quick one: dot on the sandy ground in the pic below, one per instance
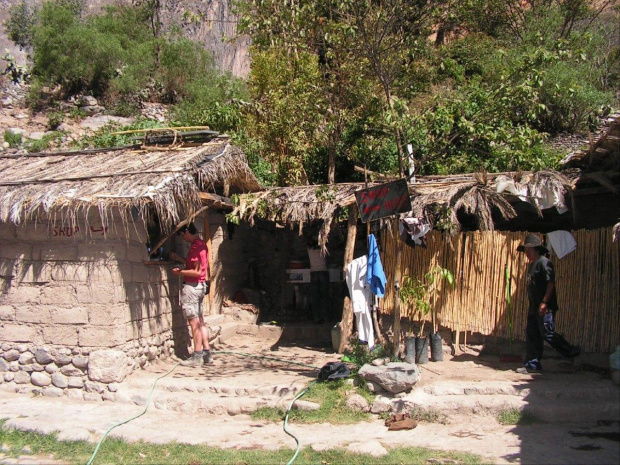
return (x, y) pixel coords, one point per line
(469, 428)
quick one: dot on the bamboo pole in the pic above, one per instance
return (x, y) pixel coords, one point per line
(397, 278)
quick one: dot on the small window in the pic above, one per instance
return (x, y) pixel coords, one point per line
(155, 236)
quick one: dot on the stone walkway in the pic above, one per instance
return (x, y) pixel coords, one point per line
(576, 408)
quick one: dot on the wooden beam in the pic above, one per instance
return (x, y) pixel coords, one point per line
(380, 176)
(397, 278)
(217, 201)
(176, 229)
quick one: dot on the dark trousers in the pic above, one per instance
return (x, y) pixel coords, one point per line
(540, 329)
(319, 286)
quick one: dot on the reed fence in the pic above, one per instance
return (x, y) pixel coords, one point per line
(587, 280)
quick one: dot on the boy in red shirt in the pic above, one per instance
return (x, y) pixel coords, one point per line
(195, 287)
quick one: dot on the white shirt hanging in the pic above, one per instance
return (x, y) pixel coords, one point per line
(361, 298)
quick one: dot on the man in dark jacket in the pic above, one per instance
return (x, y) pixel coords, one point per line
(541, 293)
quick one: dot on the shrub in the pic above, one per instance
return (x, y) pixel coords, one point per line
(106, 137)
(116, 56)
(77, 114)
(16, 72)
(54, 119)
(13, 138)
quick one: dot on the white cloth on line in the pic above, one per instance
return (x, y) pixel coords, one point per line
(361, 298)
(562, 242)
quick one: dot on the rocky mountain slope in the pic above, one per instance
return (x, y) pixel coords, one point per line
(207, 21)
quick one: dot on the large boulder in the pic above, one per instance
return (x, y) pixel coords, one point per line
(394, 377)
(108, 366)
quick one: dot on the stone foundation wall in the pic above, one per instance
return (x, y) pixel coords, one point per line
(79, 373)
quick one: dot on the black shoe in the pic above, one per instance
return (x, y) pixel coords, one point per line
(207, 357)
(196, 360)
(531, 366)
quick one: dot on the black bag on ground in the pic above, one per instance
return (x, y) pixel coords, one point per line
(333, 371)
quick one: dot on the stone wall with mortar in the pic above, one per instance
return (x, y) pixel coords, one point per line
(70, 294)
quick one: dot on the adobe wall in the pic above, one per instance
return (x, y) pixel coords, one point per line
(68, 292)
(81, 308)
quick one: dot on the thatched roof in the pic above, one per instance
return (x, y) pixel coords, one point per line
(168, 181)
(475, 194)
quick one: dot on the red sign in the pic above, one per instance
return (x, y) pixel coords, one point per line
(384, 200)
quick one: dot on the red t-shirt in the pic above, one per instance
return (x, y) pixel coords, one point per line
(197, 253)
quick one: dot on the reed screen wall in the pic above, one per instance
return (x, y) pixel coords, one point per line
(587, 280)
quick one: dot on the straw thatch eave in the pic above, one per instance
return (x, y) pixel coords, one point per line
(474, 194)
(69, 185)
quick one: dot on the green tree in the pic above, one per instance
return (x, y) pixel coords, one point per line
(119, 55)
(285, 110)
(353, 77)
(18, 27)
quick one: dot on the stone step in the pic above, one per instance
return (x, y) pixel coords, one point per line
(548, 391)
(226, 386)
(540, 409)
(551, 402)
(209, 401)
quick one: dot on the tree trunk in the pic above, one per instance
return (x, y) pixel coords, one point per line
(346, 322)
(331, 165)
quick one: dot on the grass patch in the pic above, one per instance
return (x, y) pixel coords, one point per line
(46, 142)
(515, 416)
(114, 451)
(14, 139)
(331, 396)
(429, 416)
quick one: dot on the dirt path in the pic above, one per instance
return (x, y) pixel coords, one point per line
(470, 427)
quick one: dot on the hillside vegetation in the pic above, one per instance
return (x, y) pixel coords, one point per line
(430, 87)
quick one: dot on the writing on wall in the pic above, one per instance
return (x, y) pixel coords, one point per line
(70, 231)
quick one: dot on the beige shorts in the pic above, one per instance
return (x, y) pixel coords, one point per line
(192, 295)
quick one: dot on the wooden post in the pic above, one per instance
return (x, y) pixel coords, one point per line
(397, 278)
(346, 322)
(210, 274)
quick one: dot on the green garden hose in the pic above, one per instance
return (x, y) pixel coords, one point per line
(286, 422)
(148, 401)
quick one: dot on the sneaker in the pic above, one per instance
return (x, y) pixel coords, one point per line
(196, 360)
(533, 365)
(207, 357)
